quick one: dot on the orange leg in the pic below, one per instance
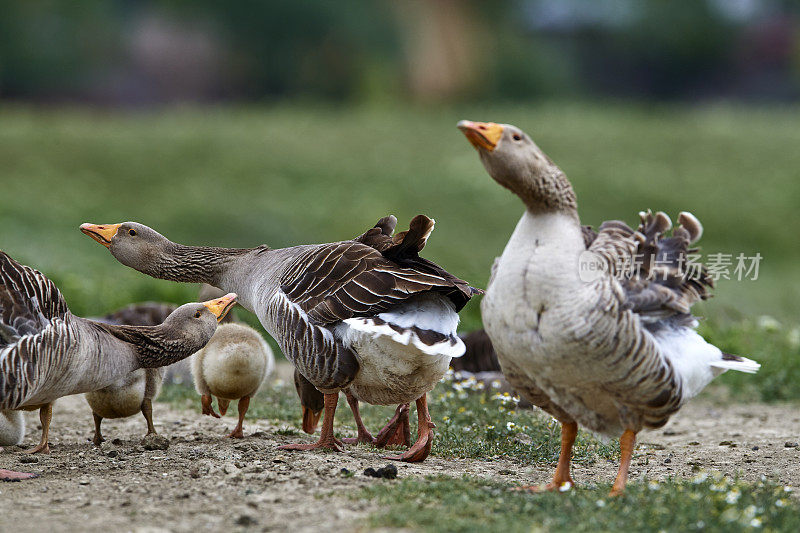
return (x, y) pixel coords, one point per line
(237, 432)
(422, 448)
(568, 433)
(45, 416)
(626, 444)
(207, 408)
(364, 436)
(326, 437)
(397, 431)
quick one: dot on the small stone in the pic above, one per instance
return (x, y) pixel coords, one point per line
(694, 443)
(25, 459)
(505, 472)
(667, 460)
(246, 520)
(83, 482)
(116, 442)
(754, 448)
(728, 443)
(155, 442)
(194, 472)
(112, 454)
(790, 444)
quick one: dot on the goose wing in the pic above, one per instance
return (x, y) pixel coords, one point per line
(655, 280)
(32, 327)
(654, 269)
(363, 277)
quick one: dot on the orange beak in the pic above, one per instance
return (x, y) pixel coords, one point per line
(310, 420)
(221, 306)
(101, 233)
(484, 135)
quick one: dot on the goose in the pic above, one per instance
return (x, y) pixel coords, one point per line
(367, 316)
(593, 327)
(232, 366)
(136, 391)
(46, 352)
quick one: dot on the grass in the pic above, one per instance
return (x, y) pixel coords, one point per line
(471, 422)
(709, 502)
(290, 174)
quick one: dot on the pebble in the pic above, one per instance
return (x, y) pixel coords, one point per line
(28, 459)
(790, 444)
(246, 520)
(112, 454)
(155, 442)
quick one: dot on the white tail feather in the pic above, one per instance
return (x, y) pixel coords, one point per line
(745, 365)
(408, 337)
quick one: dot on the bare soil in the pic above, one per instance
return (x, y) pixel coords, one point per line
(205, 481)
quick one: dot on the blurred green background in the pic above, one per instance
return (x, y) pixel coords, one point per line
(241, 123)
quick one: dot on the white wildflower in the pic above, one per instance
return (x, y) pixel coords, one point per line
(768, 323)
(700, 478)
(496, 383)
(510, 426)
(733, 496)
(565, 486)
(600, 503)
(755, 522)
(653, 485)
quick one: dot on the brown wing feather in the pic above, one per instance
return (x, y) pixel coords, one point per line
(657, 280)
(343, 280)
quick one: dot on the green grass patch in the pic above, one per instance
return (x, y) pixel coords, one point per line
(470, 422)
(764, 339)
(440, 504)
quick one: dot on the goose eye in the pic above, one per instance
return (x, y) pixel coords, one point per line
(197, 314)
(517, 137)
(132, 232)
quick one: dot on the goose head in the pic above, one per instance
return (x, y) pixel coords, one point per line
(514, 161)
(132, 244)
(311, 401)
(186, 330)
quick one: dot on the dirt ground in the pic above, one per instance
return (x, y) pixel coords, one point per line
(209, 482)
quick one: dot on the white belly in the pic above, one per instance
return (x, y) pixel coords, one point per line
(399, 361)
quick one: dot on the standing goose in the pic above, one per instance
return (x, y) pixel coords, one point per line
(368, 316)
(46, 352)
(614, 348)
(136, 391)
(232, 366)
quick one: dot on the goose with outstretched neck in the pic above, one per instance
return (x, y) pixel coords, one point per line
(46, 352)
(366, 316)
(593, 327)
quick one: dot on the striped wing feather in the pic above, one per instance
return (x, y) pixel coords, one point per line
(657, 278)
(349, 279)
(32, 326)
